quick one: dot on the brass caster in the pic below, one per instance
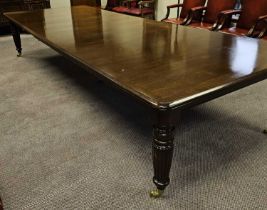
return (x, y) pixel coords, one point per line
(19, 54)
(265, 131)
(156, 193)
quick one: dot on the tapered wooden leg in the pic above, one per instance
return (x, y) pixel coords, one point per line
(162, 151)
(16, 37)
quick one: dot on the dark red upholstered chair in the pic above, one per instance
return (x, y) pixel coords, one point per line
(111, 4)
(124, 6)
(210, 13)
(250, 22)
(186, 6)
(137, 8)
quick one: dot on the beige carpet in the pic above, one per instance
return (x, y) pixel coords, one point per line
(68, 141)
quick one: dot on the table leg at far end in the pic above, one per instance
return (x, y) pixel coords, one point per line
(1, 204)
(15, 30)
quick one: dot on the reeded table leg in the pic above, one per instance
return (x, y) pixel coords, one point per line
(162, 151)
(16, 37)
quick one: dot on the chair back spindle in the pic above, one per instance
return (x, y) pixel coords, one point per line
(214, 7)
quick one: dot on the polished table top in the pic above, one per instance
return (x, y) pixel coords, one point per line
(165, 65)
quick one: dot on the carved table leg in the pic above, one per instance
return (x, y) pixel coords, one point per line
(265, 131)
(162, 151)
(16, 37)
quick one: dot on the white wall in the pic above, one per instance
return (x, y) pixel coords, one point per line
(103, 3)
(59, 3)
(162, 9)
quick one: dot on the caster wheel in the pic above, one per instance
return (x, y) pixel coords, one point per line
(156, 193)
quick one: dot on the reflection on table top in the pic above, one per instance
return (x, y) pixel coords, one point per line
(164, 64)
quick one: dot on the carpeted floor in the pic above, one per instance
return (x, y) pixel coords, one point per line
(68, 141)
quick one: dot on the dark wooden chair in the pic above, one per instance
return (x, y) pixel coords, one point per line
(186, 6)
(210, 13)
(250, 22)
(19, 5)
(140, 8)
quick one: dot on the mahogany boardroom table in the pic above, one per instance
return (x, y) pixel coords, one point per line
(168, 67)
